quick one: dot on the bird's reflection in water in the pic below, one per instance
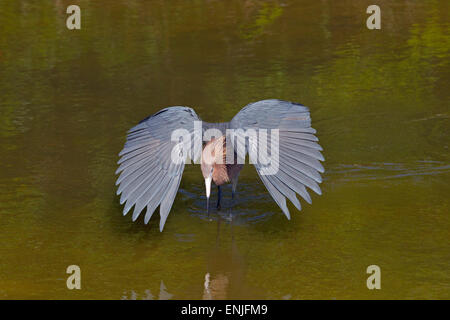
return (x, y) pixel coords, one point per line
(216, 288)
(225, 267)
(147, 295)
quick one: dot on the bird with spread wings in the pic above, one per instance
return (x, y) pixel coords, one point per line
(150, 178)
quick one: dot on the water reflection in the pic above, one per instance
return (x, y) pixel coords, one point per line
(225, 270)
(147, 295)
(225, 265)
(215, 288)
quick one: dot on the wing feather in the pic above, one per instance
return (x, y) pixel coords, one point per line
(148, 176)
(299, 153)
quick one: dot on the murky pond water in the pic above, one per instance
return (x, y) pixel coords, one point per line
(379, 100)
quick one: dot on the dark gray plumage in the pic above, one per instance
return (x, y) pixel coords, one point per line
(148, 178)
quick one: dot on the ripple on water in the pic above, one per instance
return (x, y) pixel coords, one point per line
(244, 210)
(383, 171)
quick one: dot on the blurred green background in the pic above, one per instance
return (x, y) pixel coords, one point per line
(379, 100)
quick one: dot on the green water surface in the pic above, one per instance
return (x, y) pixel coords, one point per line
(379, 100)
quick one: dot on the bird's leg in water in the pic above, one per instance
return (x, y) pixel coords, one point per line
(219, 196)
(233, 191)
(232, 203)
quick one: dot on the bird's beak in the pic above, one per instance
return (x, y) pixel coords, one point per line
(208, 192)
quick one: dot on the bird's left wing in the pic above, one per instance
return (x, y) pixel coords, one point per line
(148, 175)
(299, 154)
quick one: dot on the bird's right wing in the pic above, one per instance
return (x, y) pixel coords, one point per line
(298, 163)
(149, 176)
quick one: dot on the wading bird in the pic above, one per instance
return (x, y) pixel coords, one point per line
(149, 176)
